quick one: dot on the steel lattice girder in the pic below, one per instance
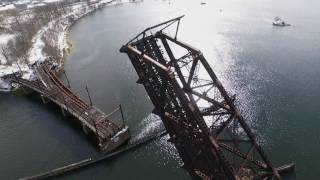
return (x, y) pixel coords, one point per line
(210, 134)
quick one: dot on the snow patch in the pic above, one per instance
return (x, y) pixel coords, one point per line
(4, 86)
(51, 1)
(35, 5)
(35, 53)
(116, 137)
(4, 38)
(2, 59)
(23, 2)
(7, 7)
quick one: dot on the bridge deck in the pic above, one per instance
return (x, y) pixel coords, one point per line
(51, 88)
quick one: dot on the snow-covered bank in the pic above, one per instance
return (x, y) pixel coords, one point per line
(27, 4)
(57, 29)
(7, 7)
(14, 68)
(4, 38)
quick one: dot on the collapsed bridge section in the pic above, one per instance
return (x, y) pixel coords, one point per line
(211, 136)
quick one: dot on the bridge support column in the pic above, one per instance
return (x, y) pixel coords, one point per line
(44, 100)
(85, 129)
(64, 112)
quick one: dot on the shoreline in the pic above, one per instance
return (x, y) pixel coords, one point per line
(66, 37)
(61, 42)
(68, 43)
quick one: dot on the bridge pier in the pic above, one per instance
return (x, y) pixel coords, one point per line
(44, 100)
(85, 129)
(64, 112)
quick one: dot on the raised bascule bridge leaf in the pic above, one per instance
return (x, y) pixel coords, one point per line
(211, 136)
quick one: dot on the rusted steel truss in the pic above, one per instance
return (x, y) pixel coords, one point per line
(209, 133)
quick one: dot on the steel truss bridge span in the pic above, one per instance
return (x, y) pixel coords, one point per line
(211, 136)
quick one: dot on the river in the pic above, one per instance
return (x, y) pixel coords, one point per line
(273, 70)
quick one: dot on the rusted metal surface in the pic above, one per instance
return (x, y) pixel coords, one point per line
(211, 136)
(92, 119)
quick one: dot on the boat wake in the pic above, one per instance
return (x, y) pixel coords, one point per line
(149, 125)
(164, 149)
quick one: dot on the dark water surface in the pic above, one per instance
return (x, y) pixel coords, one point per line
(274, 72)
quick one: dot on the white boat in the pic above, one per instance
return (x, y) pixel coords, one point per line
(279, 22)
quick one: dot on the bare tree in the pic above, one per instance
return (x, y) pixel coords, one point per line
(5, 52)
